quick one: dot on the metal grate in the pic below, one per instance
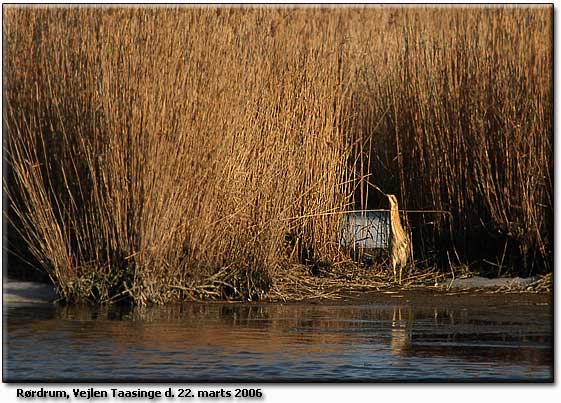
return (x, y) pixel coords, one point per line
(367, 231)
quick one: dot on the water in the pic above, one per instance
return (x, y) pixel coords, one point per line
(403, 337)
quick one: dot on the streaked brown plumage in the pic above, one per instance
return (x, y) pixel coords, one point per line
(400, 244)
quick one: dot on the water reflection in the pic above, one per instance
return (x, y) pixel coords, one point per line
(279, 342)
(401, 331)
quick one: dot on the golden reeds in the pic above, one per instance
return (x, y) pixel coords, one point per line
(154, 148)
(455, 106)
(164, 153)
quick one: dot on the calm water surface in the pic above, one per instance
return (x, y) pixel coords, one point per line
(396, 338)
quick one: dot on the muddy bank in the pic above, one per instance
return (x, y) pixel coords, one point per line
(17, 292)
(437, 297)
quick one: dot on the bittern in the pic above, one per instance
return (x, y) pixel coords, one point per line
(400, 244)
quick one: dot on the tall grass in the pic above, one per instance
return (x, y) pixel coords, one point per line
(154, 153)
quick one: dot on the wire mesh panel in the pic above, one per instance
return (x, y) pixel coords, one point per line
(366, 233)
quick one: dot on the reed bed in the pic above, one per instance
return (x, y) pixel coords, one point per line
(455, 111)
(156, 154)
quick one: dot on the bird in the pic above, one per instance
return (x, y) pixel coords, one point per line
(400, 244)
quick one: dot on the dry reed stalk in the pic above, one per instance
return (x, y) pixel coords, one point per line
(152, 150)
(157, 153)
(298, 283)
(542, 285)
(470, 123)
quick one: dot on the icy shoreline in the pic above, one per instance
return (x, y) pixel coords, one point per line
(27, 292)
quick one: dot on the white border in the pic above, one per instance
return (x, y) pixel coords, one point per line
(369, 392)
